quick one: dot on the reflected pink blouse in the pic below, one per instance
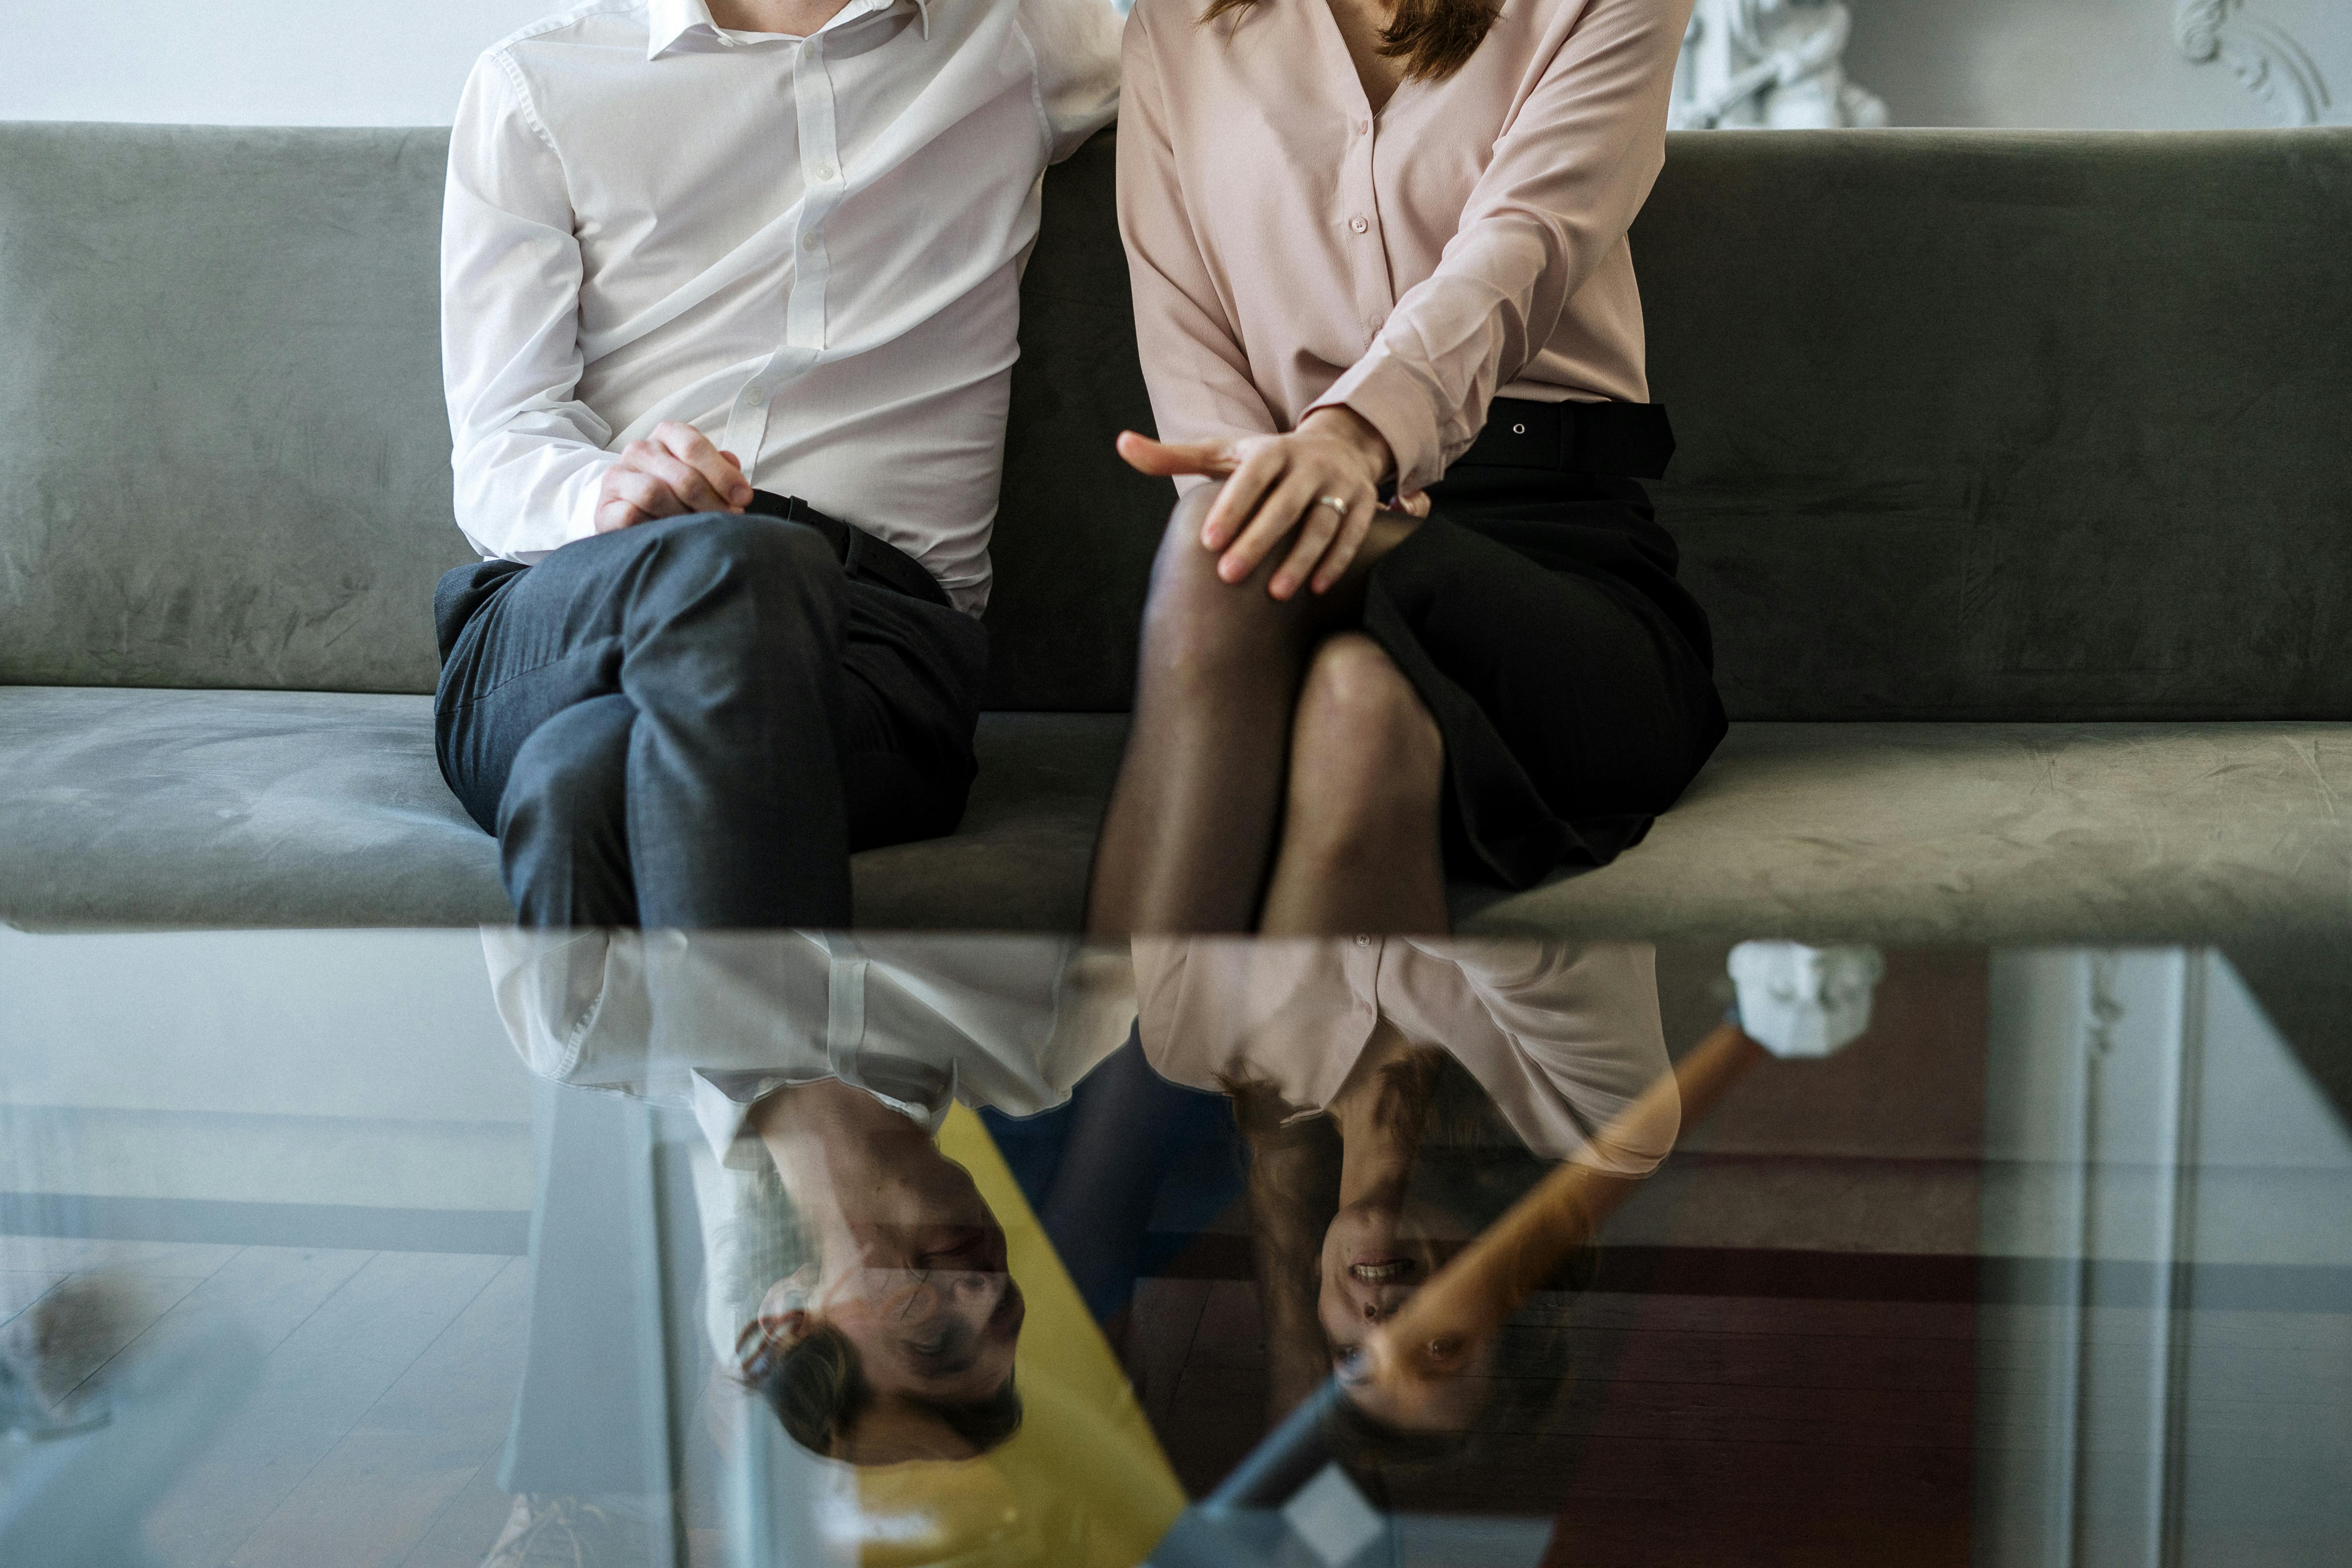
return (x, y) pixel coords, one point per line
(1563, 1038)
(1290, 249)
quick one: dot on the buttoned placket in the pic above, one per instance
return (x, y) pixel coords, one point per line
(820, 194)
(1359, 971)
(1360, 222)
(823, 184)
(844, 1004)
(846, 967)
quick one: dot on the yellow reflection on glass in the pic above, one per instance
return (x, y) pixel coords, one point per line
(1083, 1482)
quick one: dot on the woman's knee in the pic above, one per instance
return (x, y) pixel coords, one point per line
(1195, 623)
(1183, 570)
(1365, 750)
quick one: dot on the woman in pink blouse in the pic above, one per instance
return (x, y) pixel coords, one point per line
(1413, 612)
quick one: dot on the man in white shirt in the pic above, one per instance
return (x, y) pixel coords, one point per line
(730, 293)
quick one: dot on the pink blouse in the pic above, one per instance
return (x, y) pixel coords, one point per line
(1290, 249)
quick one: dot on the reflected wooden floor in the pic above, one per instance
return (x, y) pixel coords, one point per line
(1686, 1429)
(373, 1437)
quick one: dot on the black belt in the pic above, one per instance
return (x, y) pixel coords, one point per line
(859, 552)
(1625, 440)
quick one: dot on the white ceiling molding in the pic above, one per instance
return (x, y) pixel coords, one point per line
(2273, 66)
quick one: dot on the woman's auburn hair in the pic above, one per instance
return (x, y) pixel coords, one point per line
(1434, 37)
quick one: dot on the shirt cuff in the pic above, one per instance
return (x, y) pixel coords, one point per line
(1389, 398)
(575, 520)
(581, 523)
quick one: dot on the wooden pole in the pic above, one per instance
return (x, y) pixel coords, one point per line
(1469, 1300)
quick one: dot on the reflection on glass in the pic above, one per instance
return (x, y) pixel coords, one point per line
(807, 1249)
(1397, 1097)
(895, 1340)
(880, 1292)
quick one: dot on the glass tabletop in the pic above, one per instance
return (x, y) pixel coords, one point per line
(501, 1248)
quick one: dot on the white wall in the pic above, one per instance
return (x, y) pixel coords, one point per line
(2078, 64)
(2081, 63)
(246, 62)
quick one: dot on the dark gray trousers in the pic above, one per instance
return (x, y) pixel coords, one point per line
(693, 722)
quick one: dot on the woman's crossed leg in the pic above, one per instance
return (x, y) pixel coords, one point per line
(1282, 773)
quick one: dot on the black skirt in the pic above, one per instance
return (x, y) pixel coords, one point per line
(1537, 612)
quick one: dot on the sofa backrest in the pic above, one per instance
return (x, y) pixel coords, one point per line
(1972, 423)
(1993, 425)
(223, 455)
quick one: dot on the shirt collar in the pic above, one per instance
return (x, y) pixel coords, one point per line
(666, 21)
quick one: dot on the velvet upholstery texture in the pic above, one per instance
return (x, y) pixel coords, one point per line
(320, 808)
(224, 459)
(1984, 832)
(2011, 425)
(2047, 438)
(1973, 425)
(120, 806)
(1075, 527)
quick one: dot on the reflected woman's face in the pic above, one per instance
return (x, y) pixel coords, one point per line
(1375, 1255)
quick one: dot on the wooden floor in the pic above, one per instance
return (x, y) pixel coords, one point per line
(373, 1437)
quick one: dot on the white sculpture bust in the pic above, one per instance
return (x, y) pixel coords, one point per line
(1799, 1001)
(1771, 63)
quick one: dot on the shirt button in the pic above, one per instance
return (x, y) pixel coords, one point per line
(824, 170)
(1363, 942)
(809, 242)
(1363, 127)
(1358, 225)
(754, 398)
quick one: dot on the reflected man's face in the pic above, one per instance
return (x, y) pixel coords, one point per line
(926, 1300)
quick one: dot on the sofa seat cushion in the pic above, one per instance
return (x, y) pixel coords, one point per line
(1993, 833)
(124, 806)
(135, 806)
(233, 808)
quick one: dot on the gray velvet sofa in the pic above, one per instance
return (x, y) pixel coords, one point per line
(2016, 473)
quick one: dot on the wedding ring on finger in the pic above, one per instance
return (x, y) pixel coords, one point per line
(1337, 503)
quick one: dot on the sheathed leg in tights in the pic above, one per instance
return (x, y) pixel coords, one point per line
(1282, 773)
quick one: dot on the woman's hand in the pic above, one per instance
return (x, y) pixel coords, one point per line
(1322, 481)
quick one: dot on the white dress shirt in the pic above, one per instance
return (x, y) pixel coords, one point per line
(807, 248)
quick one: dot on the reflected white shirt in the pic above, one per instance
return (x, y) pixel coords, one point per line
(807, 248)
(720, 1020)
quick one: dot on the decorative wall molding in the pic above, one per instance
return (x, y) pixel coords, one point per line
(2273, 66)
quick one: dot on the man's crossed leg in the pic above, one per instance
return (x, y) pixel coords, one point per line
(694, 720)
